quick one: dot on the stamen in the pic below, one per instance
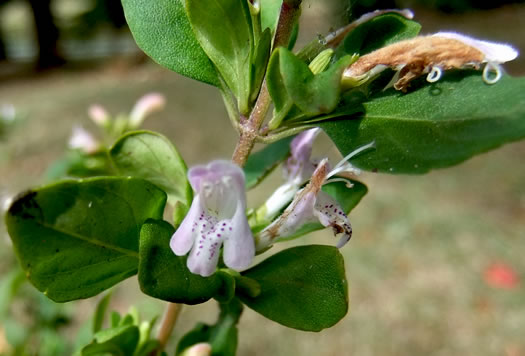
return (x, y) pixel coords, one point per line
(333, 180)
(491, 68)
(434, 75)
(339, 167)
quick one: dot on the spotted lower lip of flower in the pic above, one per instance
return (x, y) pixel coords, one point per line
(430, 55)
(217, 216)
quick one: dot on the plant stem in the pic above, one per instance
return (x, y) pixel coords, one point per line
(249, 129)
(168, 323)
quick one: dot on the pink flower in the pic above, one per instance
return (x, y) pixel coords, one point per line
(145, 106)
(217, 216)
(81, 139)
(501, 275)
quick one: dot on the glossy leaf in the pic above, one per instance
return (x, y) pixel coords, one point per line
(163, 275)
(303, 287)
(434, 126)
(75, 239)
(151, 156)
(348, 198)
(377, 33)
(224, 30)
(162, 30)
(264, 161)
(313, 94)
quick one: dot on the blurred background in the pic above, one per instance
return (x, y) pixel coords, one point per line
(436, 263)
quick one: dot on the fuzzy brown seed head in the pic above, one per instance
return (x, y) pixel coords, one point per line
(417, 56)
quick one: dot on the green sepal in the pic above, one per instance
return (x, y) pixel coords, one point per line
(76, 238)
(302, 287)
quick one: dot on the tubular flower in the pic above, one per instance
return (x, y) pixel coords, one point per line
(145, 106)
(430, 55)
(217, 216)
(311, 204)
(297, 170)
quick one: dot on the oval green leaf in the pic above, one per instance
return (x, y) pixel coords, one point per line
(224, 31)
(303, 287)
(151, 156)
(75, 239)
(435, 126)
(162, 30)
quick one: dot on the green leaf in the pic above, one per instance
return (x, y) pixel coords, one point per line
(270, 10)
(118, 341)
(260, 62)
(348, 198)
(222, 336)
(313, 94)
(163, 275)
(100, 313)
(162, 30)
(435, 126)
(263, 162)
(76, 238)
(377, 33)
(303, 287)
(224, 30)
(151, 156)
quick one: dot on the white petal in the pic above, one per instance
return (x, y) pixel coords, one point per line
(239, 246)
(183, 238)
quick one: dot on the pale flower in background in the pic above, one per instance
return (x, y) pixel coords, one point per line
(82, 140)
(98, 114)
(145, 106)
(217, 217)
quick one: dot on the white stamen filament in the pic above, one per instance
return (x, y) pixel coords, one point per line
(333, 180)
(339, 167)
(491, 68)
(434, 75)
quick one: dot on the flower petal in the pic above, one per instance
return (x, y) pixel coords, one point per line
(239, 247)
(183, 238)
(330, 213)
